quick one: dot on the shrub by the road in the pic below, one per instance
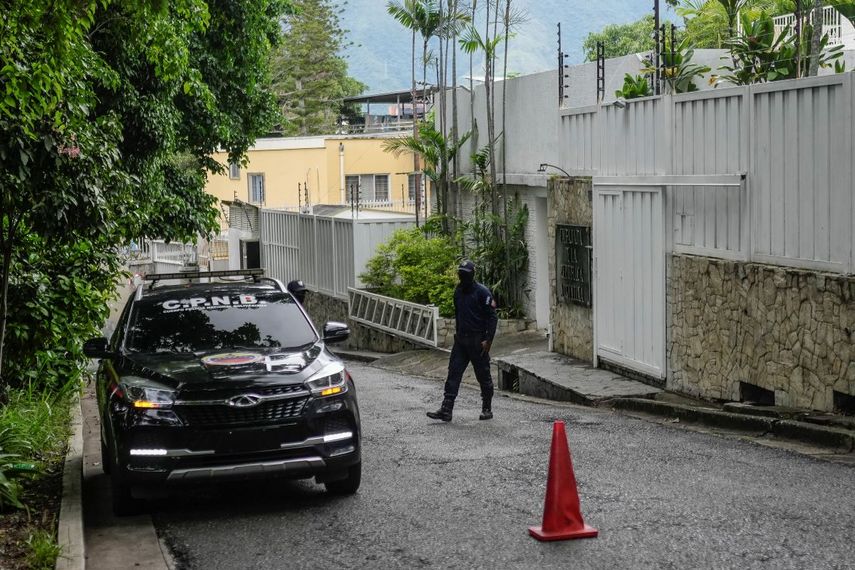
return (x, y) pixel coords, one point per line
(415, 267)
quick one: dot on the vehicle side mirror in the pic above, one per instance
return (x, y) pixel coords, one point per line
(96, 348)
(336, 332)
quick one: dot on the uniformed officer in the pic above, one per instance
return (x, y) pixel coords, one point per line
(298, 289)
(475, 313)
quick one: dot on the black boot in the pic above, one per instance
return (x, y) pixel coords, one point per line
(444, 411)
(486, 409)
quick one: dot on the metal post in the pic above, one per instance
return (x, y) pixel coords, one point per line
(299, 197)
(657, 77)
(798, 14)
(560, 70)
(601, 72)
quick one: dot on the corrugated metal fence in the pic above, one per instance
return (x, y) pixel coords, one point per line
(327, 253)
(792, 139)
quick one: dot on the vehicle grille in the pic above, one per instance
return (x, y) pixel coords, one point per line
(218, 415)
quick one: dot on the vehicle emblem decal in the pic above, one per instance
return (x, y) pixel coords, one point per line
(244, 401)
(232, 359)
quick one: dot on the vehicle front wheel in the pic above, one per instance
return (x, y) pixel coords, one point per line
(349, 485)
(124, 502)
(105, 458)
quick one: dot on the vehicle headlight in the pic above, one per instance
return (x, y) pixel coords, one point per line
(145, 394)
(330, 381)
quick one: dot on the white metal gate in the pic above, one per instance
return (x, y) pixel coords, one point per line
(629, 282)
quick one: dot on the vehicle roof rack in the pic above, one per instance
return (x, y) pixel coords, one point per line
(256, 274)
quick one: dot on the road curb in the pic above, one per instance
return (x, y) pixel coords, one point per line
(70, 529)
(836, 438)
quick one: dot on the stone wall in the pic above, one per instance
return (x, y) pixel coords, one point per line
(569, 202)
(786, 330)
(445, 329)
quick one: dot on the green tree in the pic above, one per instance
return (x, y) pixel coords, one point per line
(110, 113)
(621, 39)
(310, 77)
(711, 23)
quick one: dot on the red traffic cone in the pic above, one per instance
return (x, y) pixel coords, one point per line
(562, 519)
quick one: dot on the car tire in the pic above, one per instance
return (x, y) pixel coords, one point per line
(349, 485)
(124, 502)
(106, 464)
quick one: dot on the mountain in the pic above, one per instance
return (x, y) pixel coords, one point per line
(380, 54)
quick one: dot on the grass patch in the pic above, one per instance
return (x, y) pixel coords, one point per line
(34, 430)
(43, 550)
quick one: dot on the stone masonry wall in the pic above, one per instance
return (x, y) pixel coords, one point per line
(569, 202)
(783, 329)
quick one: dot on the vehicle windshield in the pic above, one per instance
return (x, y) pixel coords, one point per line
(214, 321)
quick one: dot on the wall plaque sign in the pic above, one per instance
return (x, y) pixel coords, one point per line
(573, 254)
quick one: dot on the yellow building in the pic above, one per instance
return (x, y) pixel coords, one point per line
(330, 169)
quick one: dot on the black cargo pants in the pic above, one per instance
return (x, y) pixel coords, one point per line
(468, 349)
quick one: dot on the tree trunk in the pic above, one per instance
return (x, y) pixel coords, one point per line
(816, 38)
(424, 102)
(415, 133)
(7, 242)
(455, 172)
(510, 277)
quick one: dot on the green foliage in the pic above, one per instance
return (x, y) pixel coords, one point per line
(677, 70)
(43, 550)
(110, 115)
(33, 432)
(498, 250)
(417, 267)
(436, 151)
(622, 39)
(845, 7)
(58, 298)
(711, 23)
(634, 87)
(309, 74)
(759, 55)
(499, 253)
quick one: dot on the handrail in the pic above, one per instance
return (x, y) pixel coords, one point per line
(414, 322)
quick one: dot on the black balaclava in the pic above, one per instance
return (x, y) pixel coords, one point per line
(466, 274)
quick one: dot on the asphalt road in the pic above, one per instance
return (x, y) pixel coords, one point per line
(461, 495)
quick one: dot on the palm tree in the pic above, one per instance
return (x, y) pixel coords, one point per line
(436, 152)
(409, 13)
(471, 42)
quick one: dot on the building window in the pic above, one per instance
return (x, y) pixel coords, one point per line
(415, 183)
(256, 188)
(371, 187)
(381, 187)
(234, 171)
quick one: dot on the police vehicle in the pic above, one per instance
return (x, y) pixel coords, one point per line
(223, 379)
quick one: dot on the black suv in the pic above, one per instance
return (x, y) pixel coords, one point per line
(219, 380)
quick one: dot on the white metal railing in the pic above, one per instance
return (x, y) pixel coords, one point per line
(158, 251)
(839, 29)
(401, 318)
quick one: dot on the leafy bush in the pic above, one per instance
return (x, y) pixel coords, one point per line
(634, 87)
(760, 54)
(58, 298)
(415, 267)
